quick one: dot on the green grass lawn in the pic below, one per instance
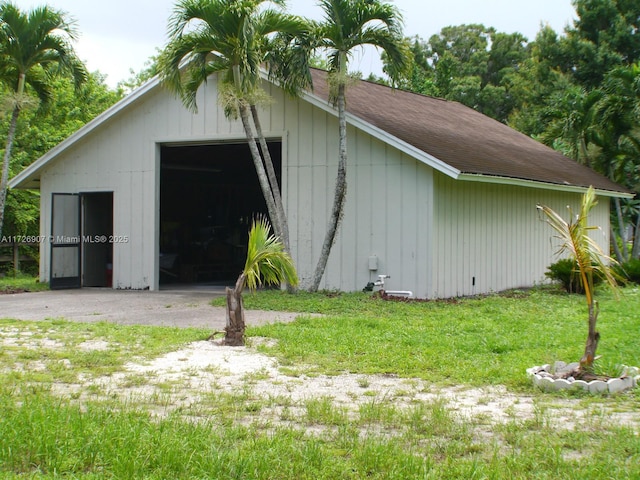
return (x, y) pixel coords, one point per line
(488, 340)
(245, 435)
(21, 283)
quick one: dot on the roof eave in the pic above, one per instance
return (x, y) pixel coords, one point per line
(28, 178)
(386, 137)
(473, 177)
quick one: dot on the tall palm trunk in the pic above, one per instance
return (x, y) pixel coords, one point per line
(262, 175)
(614, 245)
(340, 193)
(636, 240)
(585, 151)
(9, 146)
(267, 191)
(273, 180)
(235, 314)
(621, 255)
(5, 163)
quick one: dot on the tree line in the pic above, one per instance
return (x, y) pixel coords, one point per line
(578, 91)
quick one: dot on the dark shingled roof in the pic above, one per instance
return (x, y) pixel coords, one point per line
(461, 137)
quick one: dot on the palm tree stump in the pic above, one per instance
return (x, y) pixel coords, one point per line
(235, 315)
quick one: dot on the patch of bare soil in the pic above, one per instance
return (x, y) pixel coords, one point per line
(206, 368)
(194, 378)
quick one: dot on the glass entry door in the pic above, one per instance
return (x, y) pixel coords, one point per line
(65, 241)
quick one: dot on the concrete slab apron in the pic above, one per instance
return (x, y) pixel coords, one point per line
(189, 308)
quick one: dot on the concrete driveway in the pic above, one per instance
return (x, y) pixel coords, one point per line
(176, 308)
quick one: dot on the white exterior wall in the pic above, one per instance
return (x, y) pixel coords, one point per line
(387, 212)
(495, 234)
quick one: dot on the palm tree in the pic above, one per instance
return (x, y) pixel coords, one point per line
(569, 119)
(351, 24)
(616, 116)
(232, 38)
(267, 263)
(34, 46)
(590, 260)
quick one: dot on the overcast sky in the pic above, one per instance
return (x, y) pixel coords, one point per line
(119, 35)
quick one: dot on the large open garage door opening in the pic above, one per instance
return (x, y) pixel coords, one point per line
(209, 195)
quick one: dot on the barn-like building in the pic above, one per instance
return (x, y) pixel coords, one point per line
(440, 197)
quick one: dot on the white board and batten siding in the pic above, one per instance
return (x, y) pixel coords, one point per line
(495, 235)
(387, 212)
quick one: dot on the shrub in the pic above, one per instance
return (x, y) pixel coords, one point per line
(565, 271)
(631, 270)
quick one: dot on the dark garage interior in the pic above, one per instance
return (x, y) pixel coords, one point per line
(209, 195)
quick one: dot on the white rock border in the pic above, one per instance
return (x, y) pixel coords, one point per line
(543, 378)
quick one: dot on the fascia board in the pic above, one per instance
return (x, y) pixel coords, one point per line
(468, 177)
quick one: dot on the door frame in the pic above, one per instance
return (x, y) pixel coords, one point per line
(96, 271)
(75, 240)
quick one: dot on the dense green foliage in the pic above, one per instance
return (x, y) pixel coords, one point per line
(471, 64)
(630, 270)
(564, 271)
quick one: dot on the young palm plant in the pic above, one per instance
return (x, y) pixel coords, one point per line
(34, 47)
(590, 261)
(267, 263)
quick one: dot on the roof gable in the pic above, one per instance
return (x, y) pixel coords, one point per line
(30, 176)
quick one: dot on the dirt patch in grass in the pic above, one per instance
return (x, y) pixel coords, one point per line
(187, 377)
(205, 378)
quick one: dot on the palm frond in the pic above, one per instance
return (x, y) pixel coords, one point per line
(209, 36)
(37, 43)
(288, 61)
(267, 262)
(353, 24)
(574, 240)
